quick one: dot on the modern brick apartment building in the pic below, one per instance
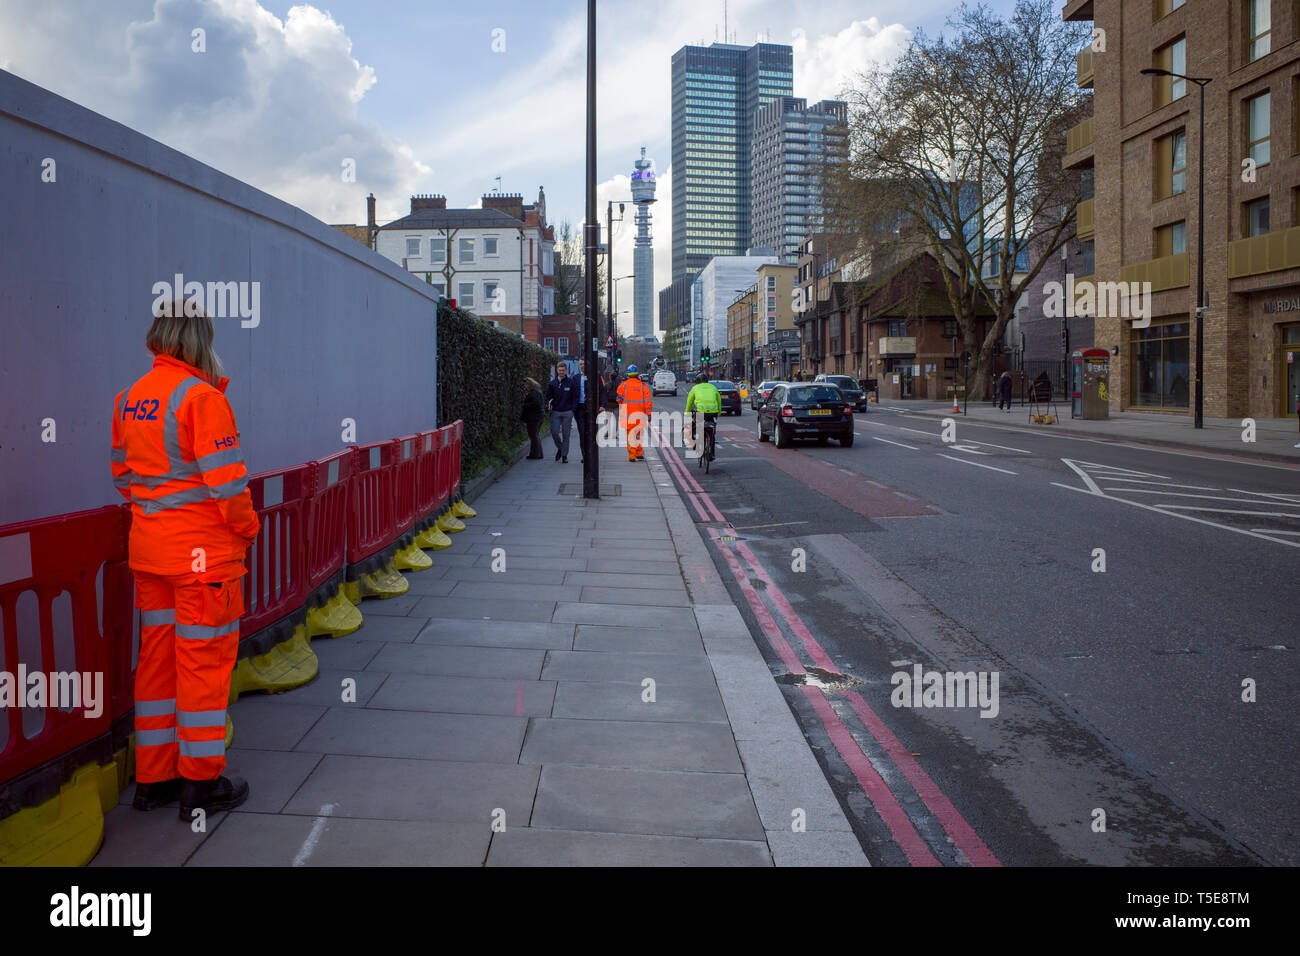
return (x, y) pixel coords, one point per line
(1142, 144)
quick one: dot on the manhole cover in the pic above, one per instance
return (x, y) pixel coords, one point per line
(574, 489)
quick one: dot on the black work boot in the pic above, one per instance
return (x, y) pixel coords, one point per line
(151, 796)
(224, 793)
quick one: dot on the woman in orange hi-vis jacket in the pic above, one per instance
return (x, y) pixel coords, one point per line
(176, 458)
(635, 398)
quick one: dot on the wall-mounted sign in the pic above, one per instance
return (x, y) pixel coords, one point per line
(1283, 305)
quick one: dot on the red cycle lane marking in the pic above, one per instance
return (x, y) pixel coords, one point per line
(877, 791)
(815, 650)
(954, 824)
(765, 620)
(689, 482)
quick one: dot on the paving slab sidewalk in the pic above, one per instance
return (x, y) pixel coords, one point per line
(589, 704)
(1275, 438)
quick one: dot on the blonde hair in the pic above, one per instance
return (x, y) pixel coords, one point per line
(183, 330)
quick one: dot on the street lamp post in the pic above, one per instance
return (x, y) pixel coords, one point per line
(591, 321)
(1200, 81)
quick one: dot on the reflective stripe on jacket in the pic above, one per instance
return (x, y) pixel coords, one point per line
(176, 457)
(635, 393)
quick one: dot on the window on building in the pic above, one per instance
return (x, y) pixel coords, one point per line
(897, 328)
(466, 297)
(1255, 217)
(1257, 128)
(949, 328)
(490, 294)
(1171, 240)
(563, 344)
(489, 247)
(1259, 28)
(1166, 7)
(437, 249)
(466, 251)
(1088, 258)
(412, 248)
(1161, 371)
(771, 303)
(439, 287)
(1178, 164)
(548, 343)
(1171, 57)
(771, 283)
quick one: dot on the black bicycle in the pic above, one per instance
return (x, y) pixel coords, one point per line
(708, 452)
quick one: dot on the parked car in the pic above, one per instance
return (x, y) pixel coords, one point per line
(665, 382)
(805, 410)
(758, 394)
(854, 393)
(730, 393)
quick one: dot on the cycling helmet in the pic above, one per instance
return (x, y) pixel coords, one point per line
(701, 379)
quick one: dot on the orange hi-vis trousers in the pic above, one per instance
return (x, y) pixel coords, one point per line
(635, 423)
(189, 638)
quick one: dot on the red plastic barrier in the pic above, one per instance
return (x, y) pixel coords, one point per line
(444, 465)
(426, 473)
(372, 499)
(458, 428)
(50, 557)
(277, 561)
(327, 517)
(406, 469)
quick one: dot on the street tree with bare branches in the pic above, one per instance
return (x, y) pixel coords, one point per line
(955, 148)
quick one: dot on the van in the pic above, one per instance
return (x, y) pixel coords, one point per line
(664, 382)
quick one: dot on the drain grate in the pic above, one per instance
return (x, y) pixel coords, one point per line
(574, 489)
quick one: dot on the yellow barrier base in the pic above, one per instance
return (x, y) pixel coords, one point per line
(449, 522)
(386, 583)
(462, 510)
(287, 665)
(230, 731)
(433, 538)
(66, 830)
(411, 558)
(338, 617)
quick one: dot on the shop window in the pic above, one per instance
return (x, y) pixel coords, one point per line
(1255, 217)
(1161, 371)
(1257, 128)
(1171, 240)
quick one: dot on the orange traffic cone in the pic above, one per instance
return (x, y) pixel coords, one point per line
(955, 409)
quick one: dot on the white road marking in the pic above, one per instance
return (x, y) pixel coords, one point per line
(967, 461)
(1266, 494)
(1096, 492)
(898, 443)
(918, 431)
(317, 828)
(779, 524)
(1268, 531)
(1162, 484)
(1003, 447)
(966, 448)
(1183, 494)
(1231, 511)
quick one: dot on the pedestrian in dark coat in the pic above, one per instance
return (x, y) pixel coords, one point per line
(534, 409)
(561, 396)
(1004, 392)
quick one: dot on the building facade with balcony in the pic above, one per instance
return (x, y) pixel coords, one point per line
(496, 261)
(1142, 144)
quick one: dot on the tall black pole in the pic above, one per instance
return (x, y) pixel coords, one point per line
(1200, 276)
(609, 265)
(590, 467)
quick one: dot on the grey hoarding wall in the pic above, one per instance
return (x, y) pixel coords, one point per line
(341, 332)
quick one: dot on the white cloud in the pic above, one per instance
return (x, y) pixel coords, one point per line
(824, 67)
(271, 102)
(619, 189)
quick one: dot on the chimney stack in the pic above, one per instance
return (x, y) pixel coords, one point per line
(512, 204)
(428, 202)
(370, 220)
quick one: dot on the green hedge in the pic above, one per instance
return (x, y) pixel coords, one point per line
(481, 371)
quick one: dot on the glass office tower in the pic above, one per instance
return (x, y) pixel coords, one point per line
(715, 91)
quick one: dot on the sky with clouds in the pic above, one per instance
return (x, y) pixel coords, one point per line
(437, 96)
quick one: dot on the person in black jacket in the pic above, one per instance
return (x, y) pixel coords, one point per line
(1004, 392)
(561, 396)
(532, 417)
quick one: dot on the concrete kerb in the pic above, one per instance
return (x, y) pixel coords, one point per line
(782, 773)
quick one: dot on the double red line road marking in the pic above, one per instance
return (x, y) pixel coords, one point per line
(886, 804)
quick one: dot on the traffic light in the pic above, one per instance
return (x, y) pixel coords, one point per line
(704, 356)
(618, 356)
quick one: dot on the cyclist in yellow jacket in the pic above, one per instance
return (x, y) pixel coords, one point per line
(705, 399)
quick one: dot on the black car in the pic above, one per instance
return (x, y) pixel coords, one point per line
(805, 410)
(730, 396)
(854, 393)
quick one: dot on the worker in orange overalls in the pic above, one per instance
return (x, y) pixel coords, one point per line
(635, 400)
(176, 458)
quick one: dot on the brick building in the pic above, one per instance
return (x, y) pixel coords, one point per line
(1142, 144)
